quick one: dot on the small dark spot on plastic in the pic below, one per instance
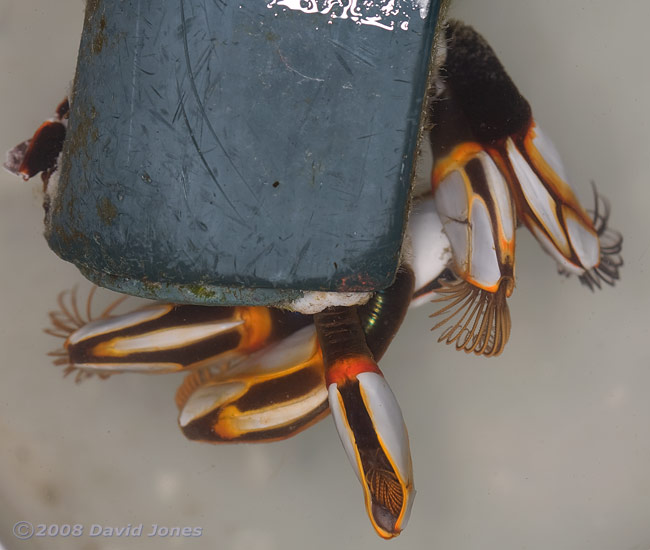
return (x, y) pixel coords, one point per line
(336, 266)
(276, 183)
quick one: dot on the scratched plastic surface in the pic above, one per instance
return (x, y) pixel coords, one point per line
(220, 151)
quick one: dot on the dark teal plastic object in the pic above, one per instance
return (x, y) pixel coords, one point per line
(241, 152)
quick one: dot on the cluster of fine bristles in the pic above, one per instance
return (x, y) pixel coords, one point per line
(611, 245)
(67, 320)
(383, 483)
(479, 321)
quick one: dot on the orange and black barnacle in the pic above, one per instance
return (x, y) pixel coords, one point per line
(477, 214)
(547, 205)
(272, 394)
(366, 414)
(472, 194)
(166, 337)
(501, 119)
(490, 156)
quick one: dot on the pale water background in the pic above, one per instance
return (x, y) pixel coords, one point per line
(546, 447)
